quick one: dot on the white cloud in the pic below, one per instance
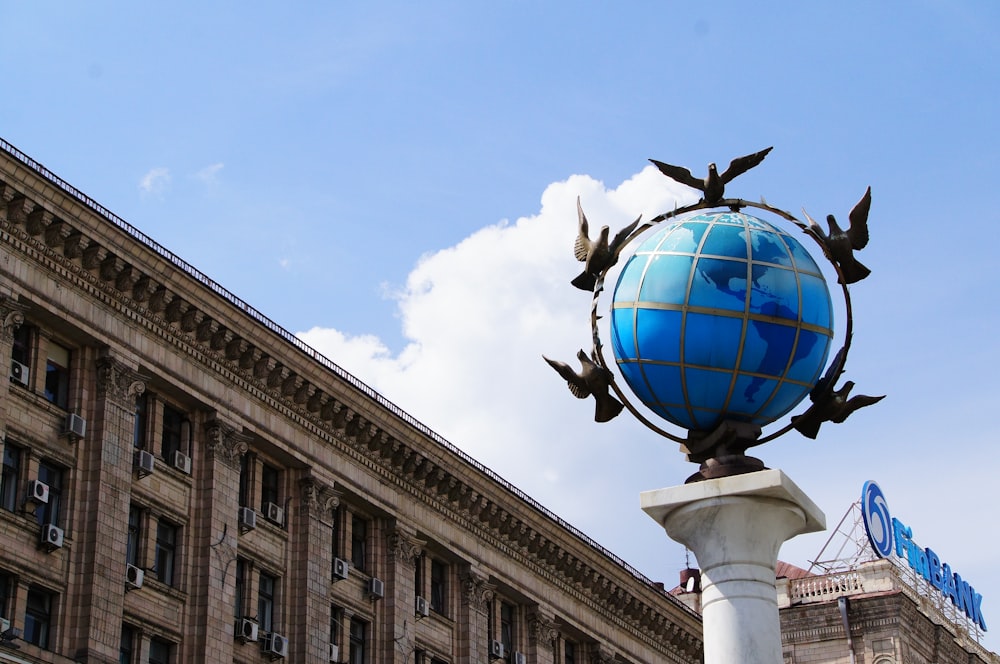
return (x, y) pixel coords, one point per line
(209, 174)
(478, 317)
(155, 182)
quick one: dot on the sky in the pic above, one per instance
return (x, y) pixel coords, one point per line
(396, 183)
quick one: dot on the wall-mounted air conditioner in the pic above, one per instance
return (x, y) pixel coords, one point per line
(134, 577)
(182, 462)
(74, 427)
(274, 513)
(519, 658)
(248, 519)
(276, 646)
(341, 568)
(423, 608)
(19, 373)
(144, 463)
(376, 588)
(334, 652)
(246, 630)
(38, 491)
(496, 650)
(51, 537)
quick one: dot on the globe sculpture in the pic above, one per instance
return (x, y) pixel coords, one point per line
(721, 323)
(721, 317)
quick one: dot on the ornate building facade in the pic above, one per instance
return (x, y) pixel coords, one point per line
(185, 481)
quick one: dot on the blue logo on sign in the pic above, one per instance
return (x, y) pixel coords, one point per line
(878, 523)
(888, 535)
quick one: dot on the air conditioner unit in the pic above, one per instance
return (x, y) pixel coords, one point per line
(276, 645)
(334, 652)
(38, 491)
(144, 462)
(182, 462)
(74, 426)
(133, 577)
(51, 537)
(341, 568)
(248, 519)
(496, 650)
(19, 373)
(4, 625)
(246, 630)
(519, 658)
(423, 607)
(275, 514)
(376, 588)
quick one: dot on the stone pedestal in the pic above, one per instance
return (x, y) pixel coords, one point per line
(735, 526)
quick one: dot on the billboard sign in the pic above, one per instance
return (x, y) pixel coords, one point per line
(888, 535)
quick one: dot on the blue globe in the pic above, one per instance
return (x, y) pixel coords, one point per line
(721, 316)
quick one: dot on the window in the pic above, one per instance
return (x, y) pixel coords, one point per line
(239, 603)
(6, 591)
(173, 433)
(166, 548)
(134, 532)
(336, 615)
(126, 644)
(507, 630)
(38, 617)
(140, 418)
(569, 652)
(357, 649)
(335, 542)
(21, 351)
(268, 486)
(49, 512)
(8, 480)
(359, 542)
(265, 601)
(245, 463)
(159, 651)
(437, 586)
(57, 375)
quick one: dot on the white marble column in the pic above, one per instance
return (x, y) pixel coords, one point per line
(735, 527)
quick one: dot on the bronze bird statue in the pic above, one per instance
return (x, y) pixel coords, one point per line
(835, 407)
(829, 405)
(714, 185)
(594, 380)
(598, 255)
(840, 245)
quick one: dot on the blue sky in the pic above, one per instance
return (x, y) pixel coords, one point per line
(397, 182)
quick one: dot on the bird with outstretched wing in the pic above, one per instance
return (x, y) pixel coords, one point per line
(713, 186)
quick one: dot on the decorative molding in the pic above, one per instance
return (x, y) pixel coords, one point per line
(118, 382)
(404, 546)
(543, 628)
(476, 588)
(225, 442)
(12, 314)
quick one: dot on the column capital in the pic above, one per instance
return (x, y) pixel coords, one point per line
(476, 588)
(318, 498)
(118, 382)
(226, 442)
(404, 545)
(11, 316)
(543, 627)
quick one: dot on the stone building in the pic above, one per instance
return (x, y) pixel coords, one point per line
(867, 611)
(185, 481)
